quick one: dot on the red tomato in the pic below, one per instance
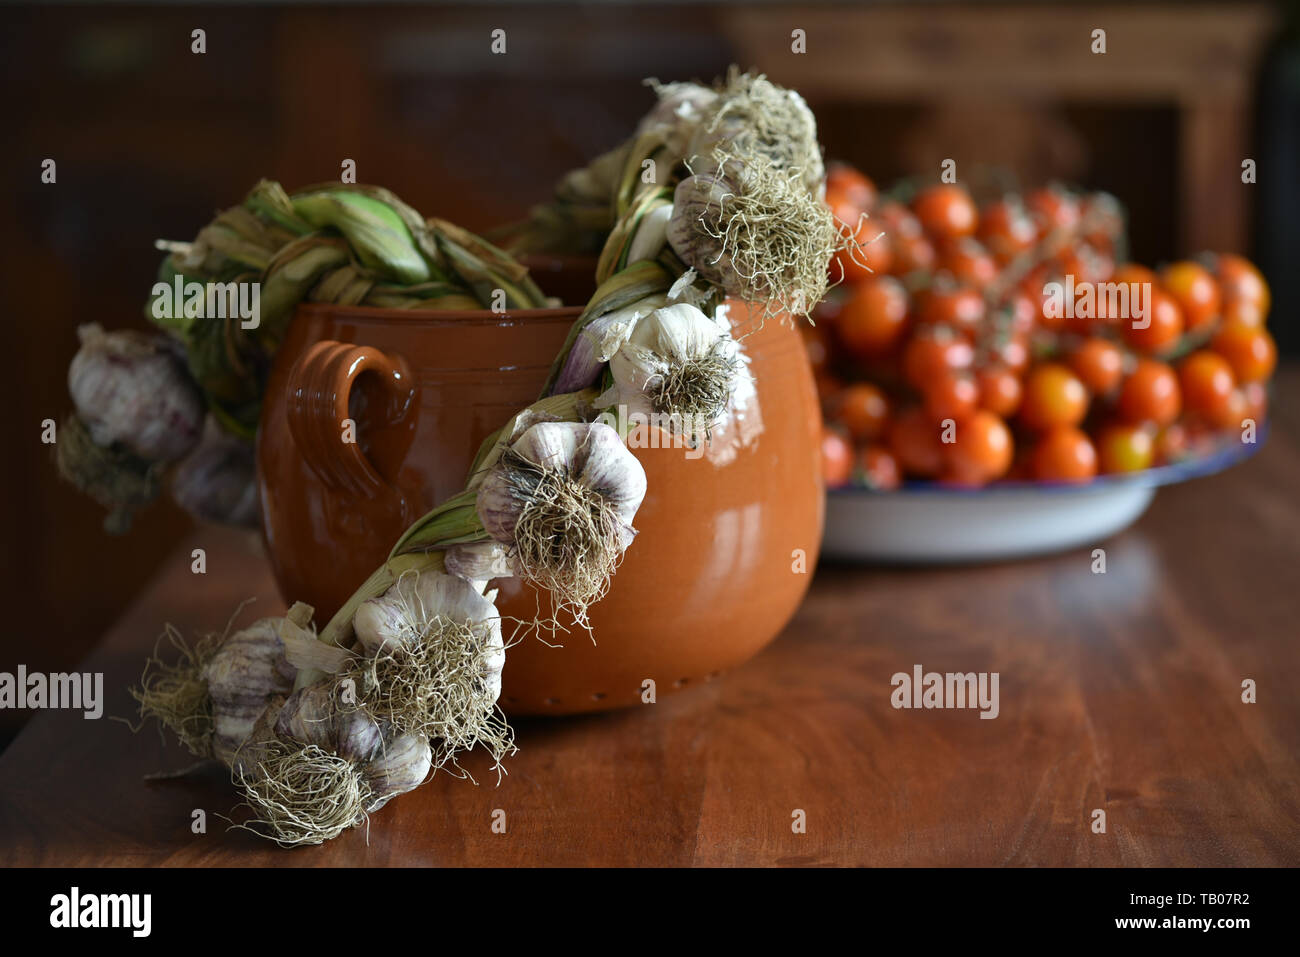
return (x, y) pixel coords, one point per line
(946, 211)
(1255, 401)
(1098, 363)
(1063, 454)
(1054, 211)
(837, 459)
(981, 450)
(1240, 281)
(913, 254)
(914, 438)
(999, 390)
(1150, 394)
(1208, 388)
(951, 396)
(879, 468)
(968, 262)
(870, 254)
(1195, 290)
(873, 317)
(1053, 396)
(899, 221)
(1006, 229)
(863, 409)
(934, 353)
(1164, 325)
(1250, 350)
(958, 306)
(848, 189)
(1125, 448)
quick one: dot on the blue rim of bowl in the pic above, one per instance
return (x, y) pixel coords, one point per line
(1223, 456)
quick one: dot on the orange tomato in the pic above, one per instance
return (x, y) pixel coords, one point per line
(879, 468)
(1164, 325)
(1208, 388)
(1098, 363)
(1240, 281)
(1125, 448)
(863, 409)
(837, 459)
(914, 438)
(850, 191)
(1133, 273)
(951, 396)
(1255, 401)
(873, 317)
(981, 450)
(934, 353)
(1195, 290)
(1063, 454)
(1053, 396)
(1172, 443)
(912, 254)
(960, 306)
(1244, 311)
(1250, 350)
(870, 254)
(999, 389)
(1150, 394)
(1054, 211)
(1006, 229)
(946, 211)
(967, 261)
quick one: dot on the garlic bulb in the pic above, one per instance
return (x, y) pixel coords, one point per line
(678, 363)
(431, 662)
(244, 673)
(217, 481)
(754, 230)
(562, 498)
(479, 562)
(677, 115)
(130, 388)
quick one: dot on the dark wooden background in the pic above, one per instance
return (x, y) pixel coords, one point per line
(150, 140)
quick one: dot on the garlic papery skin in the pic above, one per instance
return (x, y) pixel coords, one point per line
(679, 363)
(130, 388)
(400, 766)
(678, 114)
(479, 563)
(562, 499)
(247, 670)
(599, 340)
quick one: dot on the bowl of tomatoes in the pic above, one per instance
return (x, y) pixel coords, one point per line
(998, 380)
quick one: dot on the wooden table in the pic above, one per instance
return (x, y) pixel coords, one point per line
(1119, 692)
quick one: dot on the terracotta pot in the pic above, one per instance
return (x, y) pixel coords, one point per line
(712, 577)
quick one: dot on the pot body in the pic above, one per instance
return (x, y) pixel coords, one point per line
(727, 535)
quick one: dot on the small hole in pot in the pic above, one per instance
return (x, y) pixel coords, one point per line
(680, 682)
(551, 701)
(598, 696)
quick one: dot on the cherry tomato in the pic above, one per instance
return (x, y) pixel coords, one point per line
(837, 459)
(1063, 454)
(1255, 401)
(1054, 211)
(999, 389)
(968, 262)
(946, 211)
(1150, 394)
(981, 450)
(1102, 220)
(1098, 363)
(933, 353)
(1240, 281)
(959, 306)
(879, 468)
(849, 190)
(1250, 350)
(1133, 273)
(1006, 229)
(870, 254)
(912, 254)
(897, 220)
(951, 396)
(1171, 443)
(914, 438)
(1243, 311)
(1125, 448)
(1195, 290)
(1164, 325)
(1207, 384)
(863, 410)
(1053, 395)
(874, 316)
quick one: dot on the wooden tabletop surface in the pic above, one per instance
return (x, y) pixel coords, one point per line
(1119, 692)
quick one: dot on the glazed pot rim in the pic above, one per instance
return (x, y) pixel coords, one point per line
(439, 317)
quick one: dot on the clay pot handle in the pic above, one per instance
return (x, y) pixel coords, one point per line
(317, 392)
